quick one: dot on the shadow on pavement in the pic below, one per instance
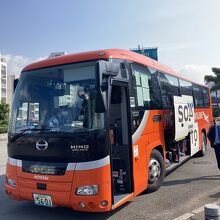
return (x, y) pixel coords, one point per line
(185, 181)
(216, 195)
(11, 209)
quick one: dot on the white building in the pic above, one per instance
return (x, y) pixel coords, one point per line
(3, 79)
(10, 89)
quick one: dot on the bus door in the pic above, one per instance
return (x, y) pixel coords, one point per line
(120, 133)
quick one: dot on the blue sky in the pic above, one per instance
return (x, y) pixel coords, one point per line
(187, 32)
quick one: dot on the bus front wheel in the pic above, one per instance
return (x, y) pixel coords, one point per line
(156, 171)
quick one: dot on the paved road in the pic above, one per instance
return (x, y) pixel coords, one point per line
(192, 185)
(3, 157)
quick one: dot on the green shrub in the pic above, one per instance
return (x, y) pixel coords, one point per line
(3, 130)
(4, 114)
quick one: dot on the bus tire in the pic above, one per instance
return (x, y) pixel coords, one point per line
(156, 171)
(202, 152)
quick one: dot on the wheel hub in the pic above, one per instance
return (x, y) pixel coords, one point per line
(154, 170)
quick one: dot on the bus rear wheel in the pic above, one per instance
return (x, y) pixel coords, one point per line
(156, 171)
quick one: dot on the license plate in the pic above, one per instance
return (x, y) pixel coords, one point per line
(43, 200)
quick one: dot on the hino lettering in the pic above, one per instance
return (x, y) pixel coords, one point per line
(84, 147)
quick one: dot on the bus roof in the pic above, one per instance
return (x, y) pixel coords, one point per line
(103, 54)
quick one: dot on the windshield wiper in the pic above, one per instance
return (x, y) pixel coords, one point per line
(23, 131)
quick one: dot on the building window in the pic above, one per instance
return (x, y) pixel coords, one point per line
(3, 67)
(3, 99)
(3, 60)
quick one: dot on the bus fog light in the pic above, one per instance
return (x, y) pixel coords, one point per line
(104, 203)
(82, 205)
(11, 182)
(87, 190)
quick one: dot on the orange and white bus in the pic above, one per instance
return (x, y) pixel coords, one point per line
(92, 130)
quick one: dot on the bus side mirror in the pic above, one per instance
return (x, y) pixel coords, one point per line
(105, 70)
(15, 83)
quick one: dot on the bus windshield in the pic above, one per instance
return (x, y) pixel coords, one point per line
(57, 99)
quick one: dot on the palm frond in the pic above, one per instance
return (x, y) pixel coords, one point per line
(210, 78)
(216, 70)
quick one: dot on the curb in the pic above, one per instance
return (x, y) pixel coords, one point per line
(3, 137)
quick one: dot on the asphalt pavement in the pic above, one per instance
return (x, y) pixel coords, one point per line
(3, 156)
(182, 196)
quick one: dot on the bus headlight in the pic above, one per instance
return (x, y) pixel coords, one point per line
(11, 182)
(87, 190)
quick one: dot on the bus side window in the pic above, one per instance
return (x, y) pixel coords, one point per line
(169, 88)
(186, 87)
(145, 85)
(206, 98)
(198, 97)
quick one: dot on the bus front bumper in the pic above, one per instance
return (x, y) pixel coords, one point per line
(63, 193)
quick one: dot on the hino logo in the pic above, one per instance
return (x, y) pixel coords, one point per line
(41, 145)
(83, 147)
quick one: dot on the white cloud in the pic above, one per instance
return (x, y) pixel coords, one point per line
(173, 47)
(195, 73)
(40, 58)
(16, 63)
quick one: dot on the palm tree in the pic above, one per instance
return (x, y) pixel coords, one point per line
(216, 86)
(214, 78)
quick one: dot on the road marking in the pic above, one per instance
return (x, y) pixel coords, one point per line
(185, 216)
(196, 211)
(193, 213)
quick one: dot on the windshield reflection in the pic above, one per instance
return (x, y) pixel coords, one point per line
(60, 99)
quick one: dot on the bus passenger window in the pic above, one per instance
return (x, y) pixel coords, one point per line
(145, 85)
(169, 88)
(197, 91)
(206, 99)
(186, 87)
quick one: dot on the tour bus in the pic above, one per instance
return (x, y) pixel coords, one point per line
(92, 130)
